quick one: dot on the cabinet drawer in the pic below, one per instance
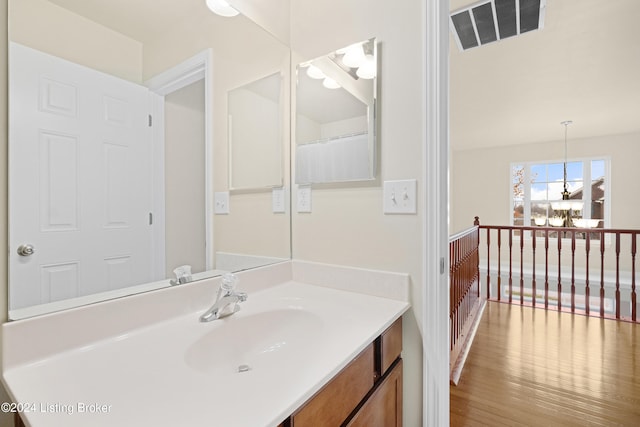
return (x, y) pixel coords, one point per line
(336, 400)
(390, 345)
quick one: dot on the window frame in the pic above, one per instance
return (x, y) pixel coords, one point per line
(527, 186)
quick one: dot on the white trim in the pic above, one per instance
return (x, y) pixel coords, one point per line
(435, 205)
(543, 6)
(181, 75)
(586, 196)
(158, 257)
(517, 16)
(190, 71)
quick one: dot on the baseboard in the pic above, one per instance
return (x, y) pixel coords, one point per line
(456, 365)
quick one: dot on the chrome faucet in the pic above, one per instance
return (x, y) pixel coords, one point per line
(226, 301)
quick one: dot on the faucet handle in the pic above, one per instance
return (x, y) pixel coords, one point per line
(229, 281)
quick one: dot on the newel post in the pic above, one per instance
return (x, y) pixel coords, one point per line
(476, 220)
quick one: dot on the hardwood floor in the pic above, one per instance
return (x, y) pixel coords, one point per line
(531, 367)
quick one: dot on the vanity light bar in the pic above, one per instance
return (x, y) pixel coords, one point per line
(489, 21)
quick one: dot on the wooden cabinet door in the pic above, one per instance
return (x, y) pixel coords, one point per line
(384, 407)
(333, 404)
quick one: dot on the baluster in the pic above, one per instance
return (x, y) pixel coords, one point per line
(546, 269)
(633, 277)
(559, 271)
(452, 299)
(456, 314)
(476, 260)
(533, 281)
(521, 267)
(499, 264)
(510, 265)
(488, 268)
(452, 277)
(617, 275)
(602, 273)
(587, 246)
(463, 284)
(573, 271)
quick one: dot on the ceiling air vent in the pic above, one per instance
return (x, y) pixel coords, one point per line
(490, 21)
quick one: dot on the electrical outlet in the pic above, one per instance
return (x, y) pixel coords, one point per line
(400, 197)
(304, 199)
(221, 203)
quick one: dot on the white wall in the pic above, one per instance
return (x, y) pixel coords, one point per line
(256, 140)
(347, 226)
(184, 187)
(480, 179)
(52, 29)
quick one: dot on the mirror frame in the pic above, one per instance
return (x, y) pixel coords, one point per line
(280, 140)
(371, 116)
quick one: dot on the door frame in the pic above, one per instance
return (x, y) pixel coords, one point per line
(196, 68)
(435, 235)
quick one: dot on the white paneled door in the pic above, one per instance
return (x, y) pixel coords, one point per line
(80, 180)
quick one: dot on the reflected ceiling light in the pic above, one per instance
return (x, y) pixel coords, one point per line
(329, 83)
(222, 8)
(315, 72)
(368, 68)
(353, 56)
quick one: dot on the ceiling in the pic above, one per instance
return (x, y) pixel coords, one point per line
(584, 65)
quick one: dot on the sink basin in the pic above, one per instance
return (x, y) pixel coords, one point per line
(245, 342)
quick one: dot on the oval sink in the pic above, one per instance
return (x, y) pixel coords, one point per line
(240, 344)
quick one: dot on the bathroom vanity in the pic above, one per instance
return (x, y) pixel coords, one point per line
(313, 345)
(369, 388)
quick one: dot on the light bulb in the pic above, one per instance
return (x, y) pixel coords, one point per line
(315, 72)
(222, 8)
(354, 56)
(329, 83)
(368, 68)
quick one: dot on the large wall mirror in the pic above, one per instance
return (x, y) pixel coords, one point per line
(119, 138)
(336, 116)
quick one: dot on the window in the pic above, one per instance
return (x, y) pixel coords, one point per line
(537, 194)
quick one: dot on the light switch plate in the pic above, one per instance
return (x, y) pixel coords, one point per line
(221, 203)
(304, 198)
(400, 197)
(278, 197)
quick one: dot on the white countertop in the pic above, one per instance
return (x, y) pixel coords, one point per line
(180, 371)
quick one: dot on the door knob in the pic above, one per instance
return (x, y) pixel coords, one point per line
(25, 250)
